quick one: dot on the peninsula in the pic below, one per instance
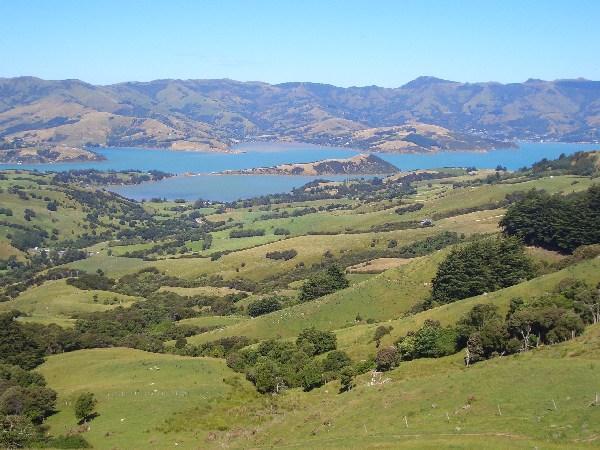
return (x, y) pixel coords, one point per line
(363, 164)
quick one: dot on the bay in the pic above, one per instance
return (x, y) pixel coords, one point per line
(231, 187)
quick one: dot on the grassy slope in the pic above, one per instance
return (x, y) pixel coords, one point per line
(434, 396)
(133, 397)
(445, 404)
(358, 339)
(384, 296)
(55, 300)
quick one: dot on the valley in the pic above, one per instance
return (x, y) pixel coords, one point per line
(385, 311)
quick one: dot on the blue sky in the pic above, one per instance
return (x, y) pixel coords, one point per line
(346, 43)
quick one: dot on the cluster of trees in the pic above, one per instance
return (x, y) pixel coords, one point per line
(579, 163)
(409, 208)
(25, 402)
(285, 214)
(285, 255)
(482, 266)
(93, 176)
(246, 233)
(485, 333)
(555, 222)
(277, 365)
(264, 306)
(322, 283)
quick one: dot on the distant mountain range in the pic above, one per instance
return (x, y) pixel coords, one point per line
(51, 120)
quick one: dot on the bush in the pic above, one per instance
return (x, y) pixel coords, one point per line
(386, 359)
(84, 406)
(92, 282)
(263, 306)
(246, 233)
(286, 255)
(409, 208)
(70, 441)
(323, 283)
(380, 332)
(321, 341)
(311, 376)
(335, 361)
(24, 240)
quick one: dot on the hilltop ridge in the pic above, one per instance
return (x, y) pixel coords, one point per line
(363, 164)
(427, 114)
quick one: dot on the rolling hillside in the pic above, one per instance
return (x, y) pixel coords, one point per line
(39, 117)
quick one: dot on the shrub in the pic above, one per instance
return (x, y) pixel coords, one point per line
(69, 441)
(386, 359)
(346, 379)
(335, 361)
(286, 255)
(84, 406)
(323, 341)
(323, 283)
(246, 233)
(264, 306)
(380, 332)
(409, 208)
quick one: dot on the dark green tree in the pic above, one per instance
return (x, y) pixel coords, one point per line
(323, 283)
(85, 406)
(323, 341)
(482, 266)
(264, 306)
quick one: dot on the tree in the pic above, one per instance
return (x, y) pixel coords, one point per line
(474, 349)
(346, 379)
(586, 300)
(263, 306)
(16, 431)
(311, 375)
(335, 361)
(323, 283)
(323, 341)
(482, 266)
(265, 375)
(555, 222)
(387, 358)
(84, 406)
(18, 345)
(380, 332)
(521, 324)
(180, 342)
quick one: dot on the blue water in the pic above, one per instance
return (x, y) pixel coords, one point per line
(216, 187)
(232, 187)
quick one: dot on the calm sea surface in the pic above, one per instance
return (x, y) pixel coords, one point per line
(232, 187)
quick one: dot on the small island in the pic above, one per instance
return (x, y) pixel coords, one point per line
(363, 164)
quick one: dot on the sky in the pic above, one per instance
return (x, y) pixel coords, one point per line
(345, 43)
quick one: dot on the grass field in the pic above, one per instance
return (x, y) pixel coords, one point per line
(381, 297)
(501, 403)
(55, 300)
(358, 340)
(137, 392)
(531, 400)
